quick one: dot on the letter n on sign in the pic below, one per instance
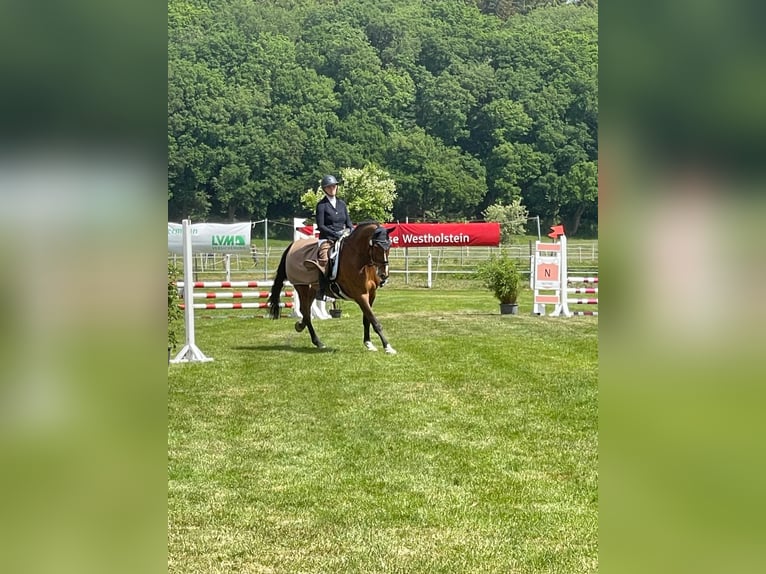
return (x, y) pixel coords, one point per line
(547, 274)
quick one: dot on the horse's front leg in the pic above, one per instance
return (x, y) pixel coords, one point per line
(368, 318)
(367, 341)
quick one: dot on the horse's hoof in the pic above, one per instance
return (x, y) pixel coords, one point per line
(390, 350)
(369, 346)
(320, 345)
(299, 326)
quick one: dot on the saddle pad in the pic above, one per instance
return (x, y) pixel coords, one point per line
(301, 263)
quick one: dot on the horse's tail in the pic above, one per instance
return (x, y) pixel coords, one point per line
(276, 289)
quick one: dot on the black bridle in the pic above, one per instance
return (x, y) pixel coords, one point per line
(380, 239)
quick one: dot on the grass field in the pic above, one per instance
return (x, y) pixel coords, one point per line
(472, 450)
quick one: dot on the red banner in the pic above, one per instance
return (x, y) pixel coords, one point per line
(439, 234)
(443, 234)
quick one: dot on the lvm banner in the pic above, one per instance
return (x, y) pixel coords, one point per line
(211, 237)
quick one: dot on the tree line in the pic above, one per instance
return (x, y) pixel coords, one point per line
(465, 104)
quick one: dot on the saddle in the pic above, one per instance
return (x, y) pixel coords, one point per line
(303, 263)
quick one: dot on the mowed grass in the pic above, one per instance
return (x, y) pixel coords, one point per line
(472, 450)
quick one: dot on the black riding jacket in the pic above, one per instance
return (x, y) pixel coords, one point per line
(331, 221)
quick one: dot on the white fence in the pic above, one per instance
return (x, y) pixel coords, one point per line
(411, 263)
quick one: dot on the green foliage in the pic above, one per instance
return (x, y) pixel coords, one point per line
(310, 199)
(175, 314)
(500, 275)
(435, 181)
(465, 105)
(369, 193)
(512, 218)
(579, 192)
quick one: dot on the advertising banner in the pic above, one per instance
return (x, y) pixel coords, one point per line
(211, 237)
(437, 234)
(444, 234)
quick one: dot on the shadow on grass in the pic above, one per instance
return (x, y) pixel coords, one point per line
(310, 350)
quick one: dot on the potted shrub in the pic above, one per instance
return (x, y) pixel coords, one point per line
(500, 275)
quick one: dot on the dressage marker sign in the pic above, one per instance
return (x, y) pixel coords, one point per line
(549, 273)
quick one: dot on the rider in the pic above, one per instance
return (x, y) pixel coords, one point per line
(333, 222)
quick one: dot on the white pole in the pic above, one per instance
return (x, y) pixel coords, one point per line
(227, 266)
(407, 259)
(429, 269)
(266, 248)
(190, 352)
(563, 307)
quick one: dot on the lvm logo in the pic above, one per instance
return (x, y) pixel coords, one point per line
(229, 240)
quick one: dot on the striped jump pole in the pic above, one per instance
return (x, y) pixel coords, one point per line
(235, 305)
(234, 294)
(230, 284)
(318, 310)
(582, 290)
(240, 295)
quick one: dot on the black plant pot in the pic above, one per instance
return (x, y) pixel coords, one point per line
(335, 313)
(509, 308)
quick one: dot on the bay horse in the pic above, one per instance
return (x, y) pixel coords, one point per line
(362, 268)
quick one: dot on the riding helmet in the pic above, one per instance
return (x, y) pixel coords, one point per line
(328, 180)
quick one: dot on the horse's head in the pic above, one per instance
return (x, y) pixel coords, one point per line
(380, 244)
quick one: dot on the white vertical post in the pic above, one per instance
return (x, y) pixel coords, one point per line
(563, 307)
(266, 248)
(227, 266)
(407, 259)
(190, 352)
(537, 308)
(406, 265)
(429, 269)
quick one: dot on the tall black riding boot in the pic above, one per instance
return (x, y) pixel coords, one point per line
(324, 286)
(322, 263)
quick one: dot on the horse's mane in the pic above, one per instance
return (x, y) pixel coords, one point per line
(364, 224)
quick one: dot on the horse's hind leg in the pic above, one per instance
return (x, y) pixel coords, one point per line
(302, 297)
(306, 294)
(314, 339)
